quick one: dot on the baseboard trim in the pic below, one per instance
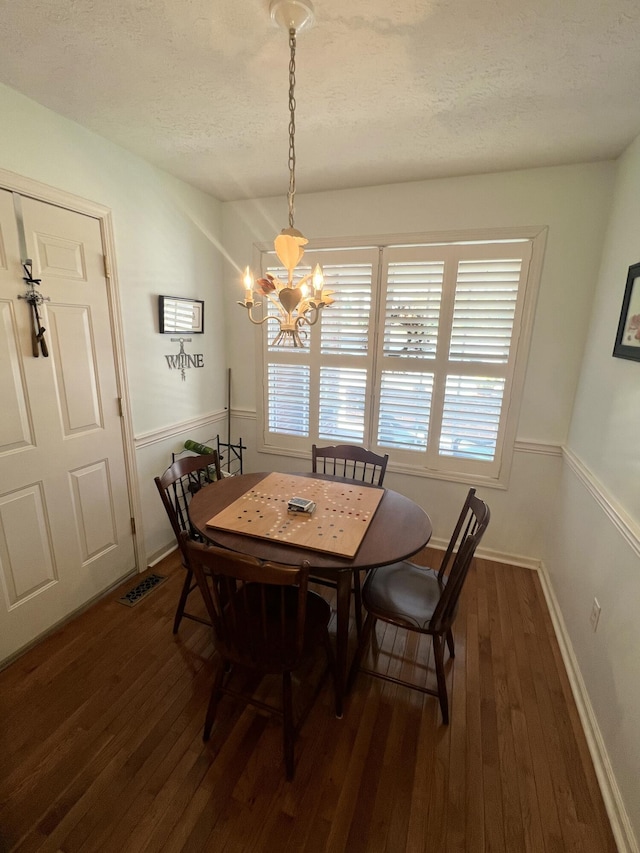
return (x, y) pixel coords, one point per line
(156, 558)
(614, 804)
(493, 556)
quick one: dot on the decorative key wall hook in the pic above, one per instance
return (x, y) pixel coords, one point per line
(38, 342)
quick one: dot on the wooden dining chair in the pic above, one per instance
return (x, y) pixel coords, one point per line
(354, 463)
(177, 486)
(420, 599)
(265, 619)
(350, 461)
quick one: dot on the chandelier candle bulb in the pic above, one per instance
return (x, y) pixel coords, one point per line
(318, 282)
(248, 285)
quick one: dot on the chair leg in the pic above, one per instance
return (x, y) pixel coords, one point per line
(186, 586)
(357, 600)
(438, 653)
(451, 644)
(287, 723)
(369, 624)
(331, 661)
(215, 698)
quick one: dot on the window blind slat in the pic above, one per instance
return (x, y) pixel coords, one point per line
(344, 326)
(412, 315)
(288, 389)
(342, 404)
(471, 417)
(484, 310)
(405, 408)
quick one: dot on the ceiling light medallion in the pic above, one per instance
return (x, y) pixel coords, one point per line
(297, 304)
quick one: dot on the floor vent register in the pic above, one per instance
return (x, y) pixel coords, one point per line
(141, 589)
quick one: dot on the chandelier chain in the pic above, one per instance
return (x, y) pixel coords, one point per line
(292, 125)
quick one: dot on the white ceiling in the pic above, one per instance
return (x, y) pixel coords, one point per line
(387, 90)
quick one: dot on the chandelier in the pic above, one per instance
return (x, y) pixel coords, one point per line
(296, 304)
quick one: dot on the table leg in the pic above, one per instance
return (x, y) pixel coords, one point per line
(342, 636)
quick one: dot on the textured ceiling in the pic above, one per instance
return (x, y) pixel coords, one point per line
(387, 90)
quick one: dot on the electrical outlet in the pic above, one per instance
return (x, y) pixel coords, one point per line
(595, 614)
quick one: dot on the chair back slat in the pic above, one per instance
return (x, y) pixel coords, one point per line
(349, 461)
(467, 534)
(176, 487)
(183, 479)
(257, 609)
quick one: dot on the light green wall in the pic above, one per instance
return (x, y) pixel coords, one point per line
(606, 417)
(594, 543)
(167, 237)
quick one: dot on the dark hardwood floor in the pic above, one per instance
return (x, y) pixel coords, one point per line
(101, 743)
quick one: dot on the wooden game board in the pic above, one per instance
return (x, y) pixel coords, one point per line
(343, 513)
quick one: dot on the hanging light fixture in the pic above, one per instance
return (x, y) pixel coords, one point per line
(297, 304)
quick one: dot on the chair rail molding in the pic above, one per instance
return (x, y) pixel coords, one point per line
(624, 524)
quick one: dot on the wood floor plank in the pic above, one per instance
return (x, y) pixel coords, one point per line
(102, 746)
(542, 769)
(508, 764)
(456, 827)
(533, 840)
(492, 787)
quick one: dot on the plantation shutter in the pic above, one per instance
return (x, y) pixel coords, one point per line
(484, 311)
(445, 358)
(410, 325)
(334, 366)
(415, 358)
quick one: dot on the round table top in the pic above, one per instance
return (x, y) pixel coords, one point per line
(399, 528)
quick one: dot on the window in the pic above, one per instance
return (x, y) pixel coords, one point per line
(421, 356)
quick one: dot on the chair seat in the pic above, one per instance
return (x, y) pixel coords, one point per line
(402, 593)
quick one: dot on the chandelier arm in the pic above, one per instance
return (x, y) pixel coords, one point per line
(252, 318)
(292, 125)
(304, 320)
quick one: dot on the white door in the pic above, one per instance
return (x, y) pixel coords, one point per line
(65, 518)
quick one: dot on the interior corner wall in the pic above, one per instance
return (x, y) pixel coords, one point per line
(572, 202)
(594, 544)
(167, 241)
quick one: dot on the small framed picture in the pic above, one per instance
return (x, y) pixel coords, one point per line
(628, 338)
(177, 314)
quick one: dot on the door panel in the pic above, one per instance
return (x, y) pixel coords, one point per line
(26, 556)
(75, 365)
(15, 424)
(64, 505)
(59, 257)
(94, 509)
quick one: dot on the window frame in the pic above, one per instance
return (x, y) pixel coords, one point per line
(453, 469)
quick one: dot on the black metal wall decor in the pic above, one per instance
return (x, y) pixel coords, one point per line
(627, 343)
(35, 299)
(179, 315)
(182, 361)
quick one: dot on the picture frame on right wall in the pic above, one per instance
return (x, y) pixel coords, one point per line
(627, 343)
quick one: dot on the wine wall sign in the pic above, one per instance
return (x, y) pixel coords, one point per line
(182, 360)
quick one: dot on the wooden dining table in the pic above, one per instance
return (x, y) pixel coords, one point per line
(398, 529)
